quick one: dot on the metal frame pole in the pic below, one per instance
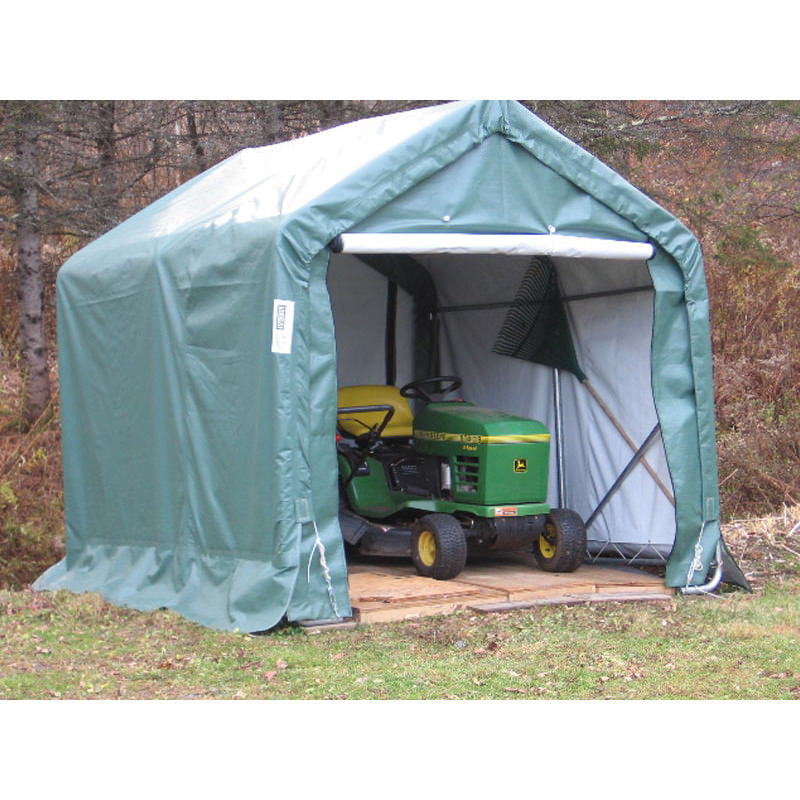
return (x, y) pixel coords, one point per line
(624, 474)
(561, 484)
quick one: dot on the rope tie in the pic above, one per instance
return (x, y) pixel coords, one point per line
(324, 564)
(697, 561)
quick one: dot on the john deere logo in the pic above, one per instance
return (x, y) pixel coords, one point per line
(520, 465)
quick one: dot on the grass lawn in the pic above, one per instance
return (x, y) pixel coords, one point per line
(731, 646)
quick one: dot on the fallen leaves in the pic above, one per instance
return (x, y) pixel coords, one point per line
(492, 646)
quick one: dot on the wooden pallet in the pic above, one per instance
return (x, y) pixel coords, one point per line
(389, 590)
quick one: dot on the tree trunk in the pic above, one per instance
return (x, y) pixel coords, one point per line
(273, 127)
(194, 139)
(29, 276)
(107, 148)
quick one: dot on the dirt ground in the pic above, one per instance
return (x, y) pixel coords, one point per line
(766, 548)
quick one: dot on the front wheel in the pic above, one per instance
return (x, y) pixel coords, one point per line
(561, 546)
(438, 546)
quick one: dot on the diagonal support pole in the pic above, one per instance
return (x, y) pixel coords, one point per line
(667, 493)
(624, 474)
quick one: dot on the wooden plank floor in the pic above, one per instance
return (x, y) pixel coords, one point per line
(384, 590)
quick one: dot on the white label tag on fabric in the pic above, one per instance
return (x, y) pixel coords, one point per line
(282, 326)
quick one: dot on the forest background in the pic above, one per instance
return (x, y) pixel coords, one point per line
(71, 170)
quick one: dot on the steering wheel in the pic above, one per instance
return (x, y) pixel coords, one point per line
(414, 390)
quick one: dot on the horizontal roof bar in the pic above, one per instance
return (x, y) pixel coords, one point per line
(534, 244)
(565, 299)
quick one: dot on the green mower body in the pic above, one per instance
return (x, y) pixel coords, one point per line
(496, 460)
(466, 481)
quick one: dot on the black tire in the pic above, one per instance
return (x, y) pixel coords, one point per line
(561, 546)
(438, 546)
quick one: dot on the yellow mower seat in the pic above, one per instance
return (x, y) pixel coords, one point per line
(401, 424)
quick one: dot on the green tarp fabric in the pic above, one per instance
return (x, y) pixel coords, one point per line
(197, 355)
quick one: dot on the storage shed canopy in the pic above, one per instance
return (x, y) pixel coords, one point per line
(202, 341)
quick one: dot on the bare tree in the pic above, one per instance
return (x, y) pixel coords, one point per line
(194, 137)
(24, 119)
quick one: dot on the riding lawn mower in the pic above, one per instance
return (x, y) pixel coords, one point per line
(451, 482)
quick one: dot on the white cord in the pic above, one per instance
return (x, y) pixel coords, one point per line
(325, 571)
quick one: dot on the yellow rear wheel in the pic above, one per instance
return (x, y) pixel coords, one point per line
(561, 546)
(548, 540)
